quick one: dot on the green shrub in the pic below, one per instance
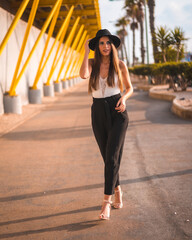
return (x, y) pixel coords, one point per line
(170, 72)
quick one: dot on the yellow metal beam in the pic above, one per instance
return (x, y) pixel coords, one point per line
(29, 25)
(81, 41)
(75, 14)
(73, 53)
(76, 70)
(86, 22)
(80, 49)
(50, 3)
(81, 56)
(76, 57)
(97, 12)
(68, 43)
(61, 34)
(50, 32)
(35, 45)
(88, 28)
(13, 24)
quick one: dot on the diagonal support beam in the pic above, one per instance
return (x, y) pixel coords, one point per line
(53, 22)
(61, 34)
(12, 90)
(13, 24)
(29, 25)
(68, 43)
(73, 59)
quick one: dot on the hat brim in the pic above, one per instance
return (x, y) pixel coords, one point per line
(116, 41)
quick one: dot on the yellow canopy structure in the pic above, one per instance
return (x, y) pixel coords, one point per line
(87, 10)
(49, 16)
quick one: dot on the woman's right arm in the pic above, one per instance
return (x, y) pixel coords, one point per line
(86, 68)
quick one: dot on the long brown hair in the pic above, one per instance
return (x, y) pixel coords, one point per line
(113, 67)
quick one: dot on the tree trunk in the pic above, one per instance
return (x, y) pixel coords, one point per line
(164, 56)
(177, 57)
(151, 5)
(133, 47)
(142, 43)
(125, 50)
(122, 55)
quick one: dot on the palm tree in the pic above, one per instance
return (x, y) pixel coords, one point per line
(151, 5)
(163, 40)
(177, 36)
(121, 51)
(140, 19)
(134, 26)
(132, 8)
(123, 22)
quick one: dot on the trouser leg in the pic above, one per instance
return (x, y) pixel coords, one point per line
(110, 143)
(114, 151)
(99, 129)
(120, 155)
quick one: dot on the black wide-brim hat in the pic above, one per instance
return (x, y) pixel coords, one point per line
(101, 33)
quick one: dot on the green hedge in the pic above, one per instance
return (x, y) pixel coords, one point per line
(172, 69)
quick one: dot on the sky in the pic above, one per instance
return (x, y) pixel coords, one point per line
(169, 13)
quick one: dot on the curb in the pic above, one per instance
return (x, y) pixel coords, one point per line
(144, 87)
(153, 93)
(181, 111)
(176, 108)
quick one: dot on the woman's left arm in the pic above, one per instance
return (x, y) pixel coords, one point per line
(121, 104)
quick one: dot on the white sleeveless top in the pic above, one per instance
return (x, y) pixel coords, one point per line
(104, 90)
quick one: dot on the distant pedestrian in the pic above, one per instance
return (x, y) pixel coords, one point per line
(107, 74)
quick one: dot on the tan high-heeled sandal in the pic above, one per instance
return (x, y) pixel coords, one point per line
(118, 205)
(103, 216)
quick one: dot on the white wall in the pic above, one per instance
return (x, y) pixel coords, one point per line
(9, 57)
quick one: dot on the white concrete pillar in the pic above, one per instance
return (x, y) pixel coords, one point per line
(48, 90)
(70, 82)
(58, 87)
(65, 84)
(35, 96)
(12, 104)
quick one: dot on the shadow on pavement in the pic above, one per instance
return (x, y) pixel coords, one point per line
(68, 227)
(50, 134)
(93, 186)
(89, 209)
(156, 111)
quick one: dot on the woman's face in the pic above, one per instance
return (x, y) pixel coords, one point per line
(105, 46)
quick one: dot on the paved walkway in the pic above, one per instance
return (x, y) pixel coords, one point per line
(51, 175)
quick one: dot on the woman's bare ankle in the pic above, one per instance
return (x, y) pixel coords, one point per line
(118, 188)
(107, 197)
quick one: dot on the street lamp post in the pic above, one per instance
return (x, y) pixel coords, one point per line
(147, 45)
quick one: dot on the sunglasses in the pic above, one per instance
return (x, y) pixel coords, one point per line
(102, 43)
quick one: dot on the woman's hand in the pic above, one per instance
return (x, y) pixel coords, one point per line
(87, 49)
(121, 105)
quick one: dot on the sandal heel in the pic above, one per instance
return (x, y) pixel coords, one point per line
(118, 205)
(103, 216)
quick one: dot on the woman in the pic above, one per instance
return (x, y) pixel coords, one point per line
(109, 116)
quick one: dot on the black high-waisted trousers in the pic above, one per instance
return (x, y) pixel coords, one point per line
(109, 127)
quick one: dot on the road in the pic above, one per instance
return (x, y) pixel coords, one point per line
(51, 177)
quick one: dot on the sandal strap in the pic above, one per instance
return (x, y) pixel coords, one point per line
(107, 201)
(118, 190)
